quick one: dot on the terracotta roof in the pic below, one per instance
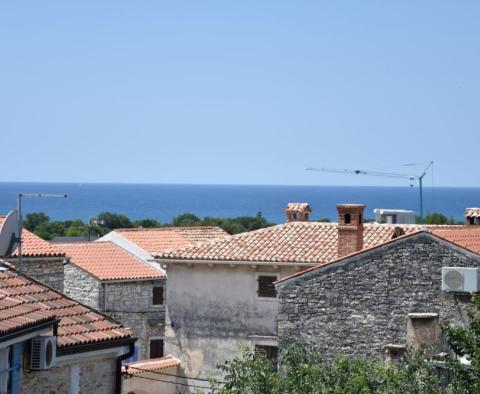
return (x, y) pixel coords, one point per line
(151, 365)
(295, 242)
(463, 236)
(468, 238)
(34, 246)
(24, 300)
(108, 261)
(158, 240)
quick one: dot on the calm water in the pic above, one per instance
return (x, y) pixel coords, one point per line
(162, 202)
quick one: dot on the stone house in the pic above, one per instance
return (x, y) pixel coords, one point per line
(377, 301)
(220, 293)
(41, 259)
(145, 243)
(106, 277)
(50, 343)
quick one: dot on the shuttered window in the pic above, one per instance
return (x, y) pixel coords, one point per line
(156, 348)
(266, 287)
(269, 352)
(158, 295)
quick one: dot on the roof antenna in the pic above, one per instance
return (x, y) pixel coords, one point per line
(20, 221)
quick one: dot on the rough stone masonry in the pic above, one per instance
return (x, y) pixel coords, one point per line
(361, 304)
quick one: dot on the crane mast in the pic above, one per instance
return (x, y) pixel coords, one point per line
(411, 178)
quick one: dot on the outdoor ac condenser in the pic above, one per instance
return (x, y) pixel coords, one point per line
(459, 279)
(43, 352)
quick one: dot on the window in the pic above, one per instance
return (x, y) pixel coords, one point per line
(156, 348)
(157, 295)
(347, 218)
(266, 287)
(269, 352)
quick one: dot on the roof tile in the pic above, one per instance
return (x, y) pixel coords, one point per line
(108, 261)
(24, 302)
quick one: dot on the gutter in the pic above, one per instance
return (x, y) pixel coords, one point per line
(118, 371)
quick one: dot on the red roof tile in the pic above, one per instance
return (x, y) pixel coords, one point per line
(23, 301)
(158, 240)
(34, 246)
(295, 242)
(107, 261)
(468, 237)
(151, 365)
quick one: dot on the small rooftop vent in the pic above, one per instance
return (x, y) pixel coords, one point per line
(459, 279)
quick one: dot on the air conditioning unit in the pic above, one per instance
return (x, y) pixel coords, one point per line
(462, 280)
(43, 352)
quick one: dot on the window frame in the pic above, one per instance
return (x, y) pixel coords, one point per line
(257, 281)
(153, 296)
(150, 339)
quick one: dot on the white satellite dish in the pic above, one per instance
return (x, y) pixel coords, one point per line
(9, 234)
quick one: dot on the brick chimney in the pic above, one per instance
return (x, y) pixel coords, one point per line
(298, 212)
(472, 216)
(350, 228)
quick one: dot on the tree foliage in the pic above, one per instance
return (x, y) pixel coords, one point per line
(437, 218)
(302, 370)
(40, 224)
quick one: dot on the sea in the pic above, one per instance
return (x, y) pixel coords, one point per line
(163, 201)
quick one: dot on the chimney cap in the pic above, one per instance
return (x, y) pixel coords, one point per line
(346, 206)
(298, 207)
(472, 212)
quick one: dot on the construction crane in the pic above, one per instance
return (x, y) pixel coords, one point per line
(411, 178)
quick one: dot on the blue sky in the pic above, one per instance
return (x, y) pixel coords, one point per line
(248, 92)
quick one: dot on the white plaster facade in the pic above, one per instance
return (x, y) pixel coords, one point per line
(213, 310)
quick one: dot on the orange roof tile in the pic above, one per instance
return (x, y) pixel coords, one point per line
(34, 246)
(295, 242)
(468, 237)
(151, 365)
(108, 261)
(298, 207)
(23, 300)
(158, 240)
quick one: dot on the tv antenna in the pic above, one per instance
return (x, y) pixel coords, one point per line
(20, 221)
(411, 178)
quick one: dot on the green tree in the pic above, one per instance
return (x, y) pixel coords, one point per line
(34, 219)
(465, 343)
(50, 230)
(146, 223)
(302, 370)
(112, 220)
(186, 219)
(437, 218)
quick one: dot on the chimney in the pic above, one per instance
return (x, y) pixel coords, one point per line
(350, 228)
(298, 212)
(472, 216)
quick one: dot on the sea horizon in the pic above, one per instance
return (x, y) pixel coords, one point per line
(165, 201)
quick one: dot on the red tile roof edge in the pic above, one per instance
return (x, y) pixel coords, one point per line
(402, 237)
(109, 318)
(150, 365)
(39, 322)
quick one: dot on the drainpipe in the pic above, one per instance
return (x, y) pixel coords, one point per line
(118, 375)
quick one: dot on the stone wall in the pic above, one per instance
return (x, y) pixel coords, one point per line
(81, 286)
(359, 305)
(46, 270)
(94, 375)
(131, 304)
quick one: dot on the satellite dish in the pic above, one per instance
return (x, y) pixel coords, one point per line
(9, 234)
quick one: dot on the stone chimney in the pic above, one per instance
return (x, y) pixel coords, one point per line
(472, 216)
(298, 212)
(350, 228)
